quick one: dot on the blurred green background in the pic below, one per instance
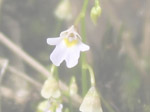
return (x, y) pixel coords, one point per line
(119, 54)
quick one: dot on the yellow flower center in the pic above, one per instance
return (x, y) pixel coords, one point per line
(70, 43)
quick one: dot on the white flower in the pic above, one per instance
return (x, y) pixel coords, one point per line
(68, 47)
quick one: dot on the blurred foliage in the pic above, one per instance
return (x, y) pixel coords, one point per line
(122, 83)
(130, 86)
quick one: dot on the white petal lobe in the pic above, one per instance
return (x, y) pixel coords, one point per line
(53, 41)
(59, 54)
(72, 57)
(83, 47)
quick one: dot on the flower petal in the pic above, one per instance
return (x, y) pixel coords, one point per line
(63, 34)
(59, 109)
(91, 102)
(68, 31)
(53, 41)
(59, 54)
(83, 47)
(72, 57)
(71, 29)
(50, 89)
(57, 94)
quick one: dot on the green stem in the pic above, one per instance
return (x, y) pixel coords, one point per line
(82, 13)
(57, 29)
(84, 82)
(70, 104)
(81, 18)
(83, 60)
(85, 5)
(83, 31)
(54, 71)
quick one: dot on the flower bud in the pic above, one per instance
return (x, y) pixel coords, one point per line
(42, 106)
(73, 88)
(49, 106)
(95, 12)
(50, 89)
(63, 10)
(91, 102)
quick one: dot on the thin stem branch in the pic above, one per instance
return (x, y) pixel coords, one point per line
(83, 59)
(92, 77)
(91, 72)
(82, 13)
(4, 64)
(84, 82)
(81, 17)
(28, 59)
(25, 77)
